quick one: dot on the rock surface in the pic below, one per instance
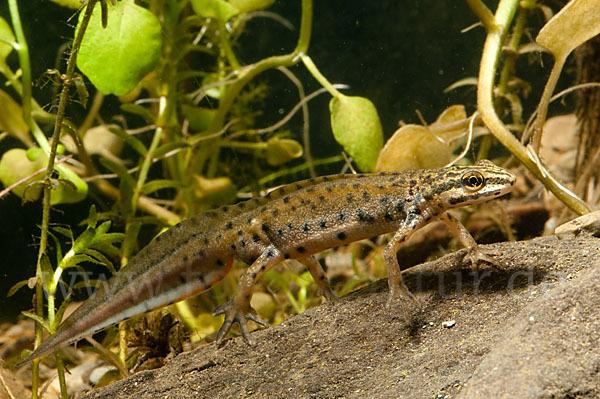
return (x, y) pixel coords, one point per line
(528, 329)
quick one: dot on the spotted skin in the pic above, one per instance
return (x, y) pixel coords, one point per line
(291, 222)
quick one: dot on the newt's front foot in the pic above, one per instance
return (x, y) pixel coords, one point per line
(233, 314)
(400, 290)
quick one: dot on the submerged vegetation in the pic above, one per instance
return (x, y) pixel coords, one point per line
(187, 138)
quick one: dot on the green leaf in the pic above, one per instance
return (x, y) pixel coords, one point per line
(199, 118)
(73, 4)
(131, 234)
(77, 259)
(47, 274)
(108, 238)
(75, 191)
(251, 5)
(6, 34)
(64, 231)
(357, 128)
(37, 319)
(133, 141)
(117, 58)
(156, 185)
(218, 9)
(84, 240)
(102, 229)
(103, 260)
(92, 217)
(280, 151)
(11, 119)
(13, 290)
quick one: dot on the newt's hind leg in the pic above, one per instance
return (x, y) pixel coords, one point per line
(238, 309)
(318, 274)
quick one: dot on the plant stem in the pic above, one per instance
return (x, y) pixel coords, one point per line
(485, 15)
(559, 62)
(314, 71)
(485, 103)
(247, 73)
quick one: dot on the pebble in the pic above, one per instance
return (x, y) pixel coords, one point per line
(449, 323)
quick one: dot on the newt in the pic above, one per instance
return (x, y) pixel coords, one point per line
(294, 221)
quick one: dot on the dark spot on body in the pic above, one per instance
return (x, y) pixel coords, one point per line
(310, 189)
(365, 195)
(388, 217)
(286, 256)
(219, 262)
(323, 224)
(280, 232)
(329, 189)
(211, 214)
(200, 253)
(265, 227)
(270, 254)
(263, 209)
(293, 208)
(275, 212)
(219, 236)
(206, 241)
(286, 200)
(229, 226)
(356, 185)
(290, 226)
(182, 279)
(306, 227)
(233, 247)
(298, 186)
(411, 191)
(241, 205)
(249, 220)
(301, 250)
(349, 197)
(243, 243)
(185, 259)
(240, 232)
(413, 182)
(225, 209)
(341, 235)
(321, 198)
(255, 238)
(341, 216)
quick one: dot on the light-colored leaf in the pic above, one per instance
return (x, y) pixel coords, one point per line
(280, 151)
(356, 126)
(117, 58)
(219, 9)
(11, 119)
(574, 24)
(251, 5)
(6, 34)
(14, 166)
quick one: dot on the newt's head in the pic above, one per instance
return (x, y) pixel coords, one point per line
(472, 184)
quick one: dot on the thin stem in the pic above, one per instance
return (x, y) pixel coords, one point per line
(485, 103)
(485, 15)
(545, 100)
(314, 71)
(247, 73)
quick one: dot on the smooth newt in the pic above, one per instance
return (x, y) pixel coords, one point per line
(292, 222)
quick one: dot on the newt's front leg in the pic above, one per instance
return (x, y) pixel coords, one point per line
(238, 309)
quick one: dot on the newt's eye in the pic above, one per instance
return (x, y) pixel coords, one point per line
(472, 180)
